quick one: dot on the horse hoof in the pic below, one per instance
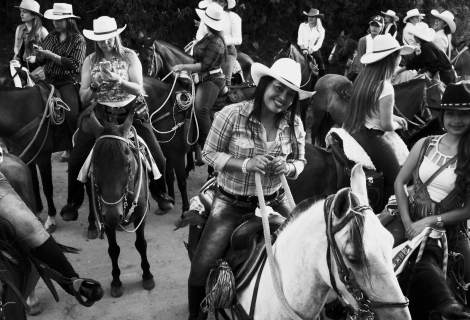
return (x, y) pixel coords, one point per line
(50, 229)
(69, 213)
(92, 234)
(116, 292)
(35, 308)
(148, 284)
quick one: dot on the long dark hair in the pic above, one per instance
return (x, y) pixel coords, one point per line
(289, 116)
(35, 29)
(366, 90)
(219, 34)
(71, 28)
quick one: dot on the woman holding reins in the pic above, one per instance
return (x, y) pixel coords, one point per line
(310, 38)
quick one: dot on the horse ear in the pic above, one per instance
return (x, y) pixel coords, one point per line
(342, 202)
(96, 126)
(152, 39)
(358, 182)
(126, 126)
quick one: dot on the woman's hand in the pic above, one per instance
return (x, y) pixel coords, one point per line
(401, 122)
(257, 164)
(178, 68)
(279, 165)
(45, 54)
(304, 51)
(109, 76)
(31, 59)
(417, 227)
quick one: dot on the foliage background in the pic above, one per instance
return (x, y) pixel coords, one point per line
(264, 21)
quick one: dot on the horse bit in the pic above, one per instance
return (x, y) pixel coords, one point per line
(346, 275)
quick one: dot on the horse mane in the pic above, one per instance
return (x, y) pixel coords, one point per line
(109, 152)
(4, 88)
(175, 50)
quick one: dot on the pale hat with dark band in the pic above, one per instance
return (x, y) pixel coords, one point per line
(30, 5)
(392, 14)
(412, 13)
(212, 16)
(103, 28)
(383, 46)
(447, 17)
(60, 11)
(204, 3)
(314, 13)
(423, 32)
(284, 70)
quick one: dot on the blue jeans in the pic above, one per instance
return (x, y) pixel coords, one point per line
(461, 244)
(224, 218)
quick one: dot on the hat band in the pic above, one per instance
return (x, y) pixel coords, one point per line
(462, 104)
(211, 17)
(106, 32)
(62, 13)
(290, 82)
(385, 50)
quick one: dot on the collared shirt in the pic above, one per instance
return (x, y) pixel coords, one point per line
(232, 28)
(209, 51)
(71, 51)
(441, 40)
(310, 38)
(230, 137)
(431, 59)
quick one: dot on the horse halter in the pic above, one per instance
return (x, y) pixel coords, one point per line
(346, 275)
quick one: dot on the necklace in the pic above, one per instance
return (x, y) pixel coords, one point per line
(267, 126)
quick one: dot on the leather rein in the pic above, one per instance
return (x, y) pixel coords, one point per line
(346, 274)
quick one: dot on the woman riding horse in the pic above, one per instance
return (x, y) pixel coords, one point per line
(30, 33)
(444, 26)
(257, 136)
(112, 77)
(370, 109)
(390, 18)
(232, 30)
(209, 53)
(445, 201)
(310, 38)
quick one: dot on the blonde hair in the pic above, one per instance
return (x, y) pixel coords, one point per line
(119, 50)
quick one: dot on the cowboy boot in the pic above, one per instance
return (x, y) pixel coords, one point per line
(195, 296)
(50, 253)
(156, 187)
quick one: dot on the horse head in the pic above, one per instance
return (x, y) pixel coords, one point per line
(285, 51)
(114, 169)
(339, 43)
(145, 47)
(434, 91)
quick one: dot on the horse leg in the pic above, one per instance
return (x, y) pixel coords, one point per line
(34, 304)
(114, 251)
(189, 163)
(170, 178)
(92, 232)
(178, 163)
(37, 194)
(45, 168)
(141, 246)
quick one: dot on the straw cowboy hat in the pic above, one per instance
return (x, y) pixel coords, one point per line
(314, 13)
(103, 28)
(284, 70)
(30, 5)
(204, 3)
(212, 16)
(423, 32)
(456, 96)
(392, 14)
(448, 18)
(60, 11)
(383, 46)
(413, 13)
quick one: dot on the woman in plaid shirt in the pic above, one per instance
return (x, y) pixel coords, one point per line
(255, 136)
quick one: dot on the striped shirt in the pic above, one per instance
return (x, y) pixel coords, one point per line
(71, 51)
(230, 137)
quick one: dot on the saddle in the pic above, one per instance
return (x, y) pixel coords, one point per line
(345, 90)
(344, 167)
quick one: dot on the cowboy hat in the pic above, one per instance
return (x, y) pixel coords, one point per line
(314, 13)
(383, 46)
(377, 19)
(412, 13)
(204, 3)
(448, 18)
(392, 14)
(30, 5)
(422, 31)
(456, 97)
(60, 11)
(103, 28)
(212, 17)
(284, 70)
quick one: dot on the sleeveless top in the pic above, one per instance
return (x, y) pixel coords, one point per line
(110, 93)
(374, 122)
(28, 47)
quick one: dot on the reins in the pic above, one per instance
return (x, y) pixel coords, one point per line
(459, 53)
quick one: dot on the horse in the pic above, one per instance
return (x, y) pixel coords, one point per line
(346, 229)
(309, 77)
(460, 58)
(119, 184)
(329, 107)
(343, 51)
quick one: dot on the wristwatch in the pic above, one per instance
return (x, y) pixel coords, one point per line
(439, 222)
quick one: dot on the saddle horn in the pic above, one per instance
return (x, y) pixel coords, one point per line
(96, 126)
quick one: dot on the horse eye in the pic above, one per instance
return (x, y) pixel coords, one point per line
(352, 259)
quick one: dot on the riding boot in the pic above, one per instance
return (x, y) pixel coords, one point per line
(321, 73)
(157, 189)
(50, 253)
(195, 296)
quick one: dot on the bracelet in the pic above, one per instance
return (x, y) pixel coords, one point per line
(94, 87)
(244, 165)
(119, 83)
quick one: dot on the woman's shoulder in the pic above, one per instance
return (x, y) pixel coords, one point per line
(21, 27)
(129, 53)
(234, 16)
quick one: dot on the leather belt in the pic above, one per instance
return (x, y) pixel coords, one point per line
(115, 110)
(251, 199)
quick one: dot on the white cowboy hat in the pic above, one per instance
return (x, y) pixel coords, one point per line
(392, 14)
(284, 70)
(448, 18)
(314, 13)
(423, 32)
(204, 3)
(103, 28)
(212, 16)
(383, 46)
(30, 5)
(412, 13)
(60, 11)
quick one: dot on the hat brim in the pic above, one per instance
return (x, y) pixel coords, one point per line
(38, 13)
(446, 19)
(372, 57)
(49, 14)
(390, 15)
(216, 25)
(259, 70)
(320, 15)
(203, 4)
(407, 17)
(90, 34)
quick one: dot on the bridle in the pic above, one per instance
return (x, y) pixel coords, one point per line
(346, 274)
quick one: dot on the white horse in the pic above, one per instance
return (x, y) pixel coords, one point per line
(300, 253)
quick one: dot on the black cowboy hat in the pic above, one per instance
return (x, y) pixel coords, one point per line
(314, 13)
(456, 97)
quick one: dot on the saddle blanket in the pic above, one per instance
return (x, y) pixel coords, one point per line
(147, 158)
(354, 151)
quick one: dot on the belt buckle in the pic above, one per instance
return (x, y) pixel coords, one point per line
(252, 200)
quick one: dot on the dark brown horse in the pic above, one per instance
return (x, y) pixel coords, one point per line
(328, 106)
(120, 186)
(342, 51)
(461, 59)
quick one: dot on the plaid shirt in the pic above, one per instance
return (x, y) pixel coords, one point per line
(230, 137)
(71, 51)
(209, 51)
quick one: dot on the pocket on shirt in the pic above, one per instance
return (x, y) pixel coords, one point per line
(245, 147)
